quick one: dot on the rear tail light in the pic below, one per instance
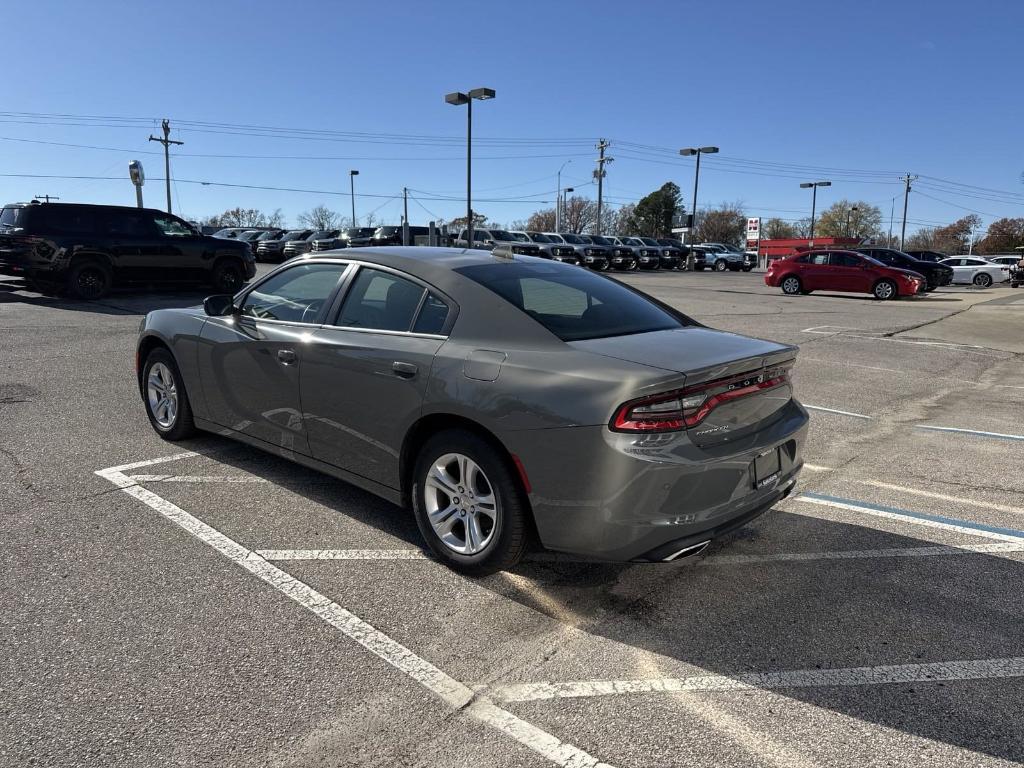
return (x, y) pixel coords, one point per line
(686, 408)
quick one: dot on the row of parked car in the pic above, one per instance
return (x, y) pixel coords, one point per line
(603, 252)
(284, 244)
(884, 272)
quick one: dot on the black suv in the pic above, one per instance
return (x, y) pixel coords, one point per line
(393, 235)
(87, 249)
(934, 274)
(927, 255)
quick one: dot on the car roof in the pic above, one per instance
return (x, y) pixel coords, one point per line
(429, 264)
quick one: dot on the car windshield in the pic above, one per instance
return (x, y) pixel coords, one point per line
(537, 237)
(571, 303)
(11, 216)
(500, 234)
(648, 241)
(522, 237)
(359, 232)
(574, 239)
(598, 240)
(321, 234)
(388, 231)
(630, 241)
(296, 235)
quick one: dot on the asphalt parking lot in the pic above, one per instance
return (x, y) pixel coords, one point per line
(207, 604)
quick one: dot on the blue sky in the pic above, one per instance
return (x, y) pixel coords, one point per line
(858, 93)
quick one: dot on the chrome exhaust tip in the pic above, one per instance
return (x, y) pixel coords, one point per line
(690, 551)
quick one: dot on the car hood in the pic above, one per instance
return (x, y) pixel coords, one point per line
(700, 353)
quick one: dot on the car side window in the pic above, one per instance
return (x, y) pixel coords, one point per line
(127, 224)
(433, 315)
(973, 263)
(174, 228)
(380, 301)
(295, 295)
(844, 260)
(819, 258)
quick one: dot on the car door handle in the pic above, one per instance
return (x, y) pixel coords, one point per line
(286, 357)
(404, 370)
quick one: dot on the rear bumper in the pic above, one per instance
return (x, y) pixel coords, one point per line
(625, 497)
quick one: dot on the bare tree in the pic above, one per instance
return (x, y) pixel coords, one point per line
(276, 219)
(244, 217)
(621, 221)
(777, 229)
(541, 221)
(319, 217)
(725, 224)
(580, 215)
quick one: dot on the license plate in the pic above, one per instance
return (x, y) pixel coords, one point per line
(767, 468)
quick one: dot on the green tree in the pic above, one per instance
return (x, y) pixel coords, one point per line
(654, 213)
(865, 220)
(1003, 236)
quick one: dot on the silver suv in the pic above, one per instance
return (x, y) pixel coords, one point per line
(549, 249)
(721, 257)
(587, 254)
(488, 239)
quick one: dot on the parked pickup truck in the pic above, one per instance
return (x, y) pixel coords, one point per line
(720, 257)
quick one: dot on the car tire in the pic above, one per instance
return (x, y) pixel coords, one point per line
(791, 285)
(982, 280)
(227, 276)
(885, 290)
(721, 265)
(747, 268)
(165, 397)
(89, 280)
(455, 538)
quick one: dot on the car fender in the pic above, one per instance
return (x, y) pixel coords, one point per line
(178, 330)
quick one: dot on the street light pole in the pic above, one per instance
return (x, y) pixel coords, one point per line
(558, 197)
(814, 199)
(457, 99)
(848, 214)
(698, 151)
(352, 194)
(565, 204)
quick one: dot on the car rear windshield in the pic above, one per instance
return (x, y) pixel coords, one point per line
(572, 303)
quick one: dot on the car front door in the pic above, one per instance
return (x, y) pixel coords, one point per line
(365, 372)
(250, 361)
(848, 273)
(959, 269)
(179, 254)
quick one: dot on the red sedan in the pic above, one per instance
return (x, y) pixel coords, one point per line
(841, 271)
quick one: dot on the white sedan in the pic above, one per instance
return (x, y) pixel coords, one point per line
(982, 273)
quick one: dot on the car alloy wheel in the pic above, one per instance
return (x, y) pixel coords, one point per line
(162, 396)
(983, 280)
(884, 290)
(460, 504)
(791, 285)
(721, 266)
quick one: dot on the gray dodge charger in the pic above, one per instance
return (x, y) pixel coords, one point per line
(500, 397)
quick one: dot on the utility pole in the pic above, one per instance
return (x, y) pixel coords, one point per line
(892, 214)
(167, 141)
(906, 195)
(405, 216)
(47, 198)
(602, 145)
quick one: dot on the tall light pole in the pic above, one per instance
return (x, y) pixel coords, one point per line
(352, 193)
(698, 151)
(558, 197)
(457, 99)
(848, 214)
(565, 203)
(814, 199)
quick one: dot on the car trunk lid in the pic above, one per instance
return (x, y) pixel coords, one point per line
(732, 384)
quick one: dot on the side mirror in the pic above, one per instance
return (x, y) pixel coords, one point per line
(219, 305)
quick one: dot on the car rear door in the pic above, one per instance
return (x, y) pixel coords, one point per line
(848, 273)
(816, 274)
(132, 242)
(365, 372)
(250, 361)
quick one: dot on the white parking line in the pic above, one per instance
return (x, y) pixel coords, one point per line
(342, 554)
(457, 695)
(943, 497)
(943, 671)
(916, 518)
(858, 554)
(195, 479)
(978, 433)
(833, 410)
(971, 348)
